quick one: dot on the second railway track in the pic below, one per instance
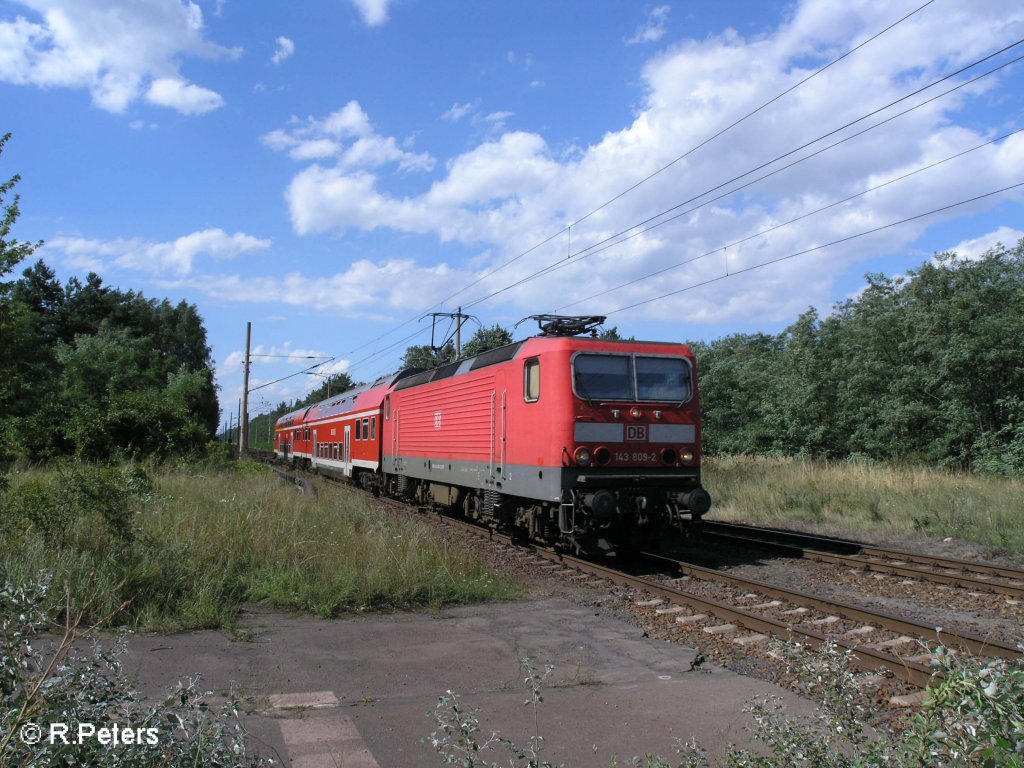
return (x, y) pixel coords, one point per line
(969, 574)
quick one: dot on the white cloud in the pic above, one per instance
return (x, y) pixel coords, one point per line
(459, 111)
(348, 136)
(976, 247)
(653, 28)
(513, 191)
(285, 48)
(374, 12)
(176, 257)
(116, 49)
(183, 96)
(366, 289)
(493, 123)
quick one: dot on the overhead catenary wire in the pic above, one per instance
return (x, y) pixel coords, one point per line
(684, 155)
(775, 227)
(652, 175)
(607, 242)
(590, 249)
(621, 233)
(804, 252)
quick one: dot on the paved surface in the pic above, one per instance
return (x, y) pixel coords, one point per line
(357, 691)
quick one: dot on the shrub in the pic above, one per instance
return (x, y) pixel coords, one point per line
(41, 693)
(972, 717)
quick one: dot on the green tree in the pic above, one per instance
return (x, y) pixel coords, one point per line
(802, 411)
(116, 399)
(22, 373)
(12, 252)
(735, 376)
(426, 356)
(612, 334)
(485, 339)
(922, 368)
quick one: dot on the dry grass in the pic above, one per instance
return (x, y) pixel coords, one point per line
(866, 498)
(201, 544)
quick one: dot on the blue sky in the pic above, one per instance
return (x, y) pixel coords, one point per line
(333, 169)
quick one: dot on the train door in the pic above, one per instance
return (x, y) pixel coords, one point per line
(315, 454)
(346, 451)
(395, 442)
(499, 420)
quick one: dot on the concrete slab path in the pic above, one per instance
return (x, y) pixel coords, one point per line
(358, 691)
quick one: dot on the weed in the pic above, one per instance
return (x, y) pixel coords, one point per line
(42, 694)
(457, 734)
(973, 717)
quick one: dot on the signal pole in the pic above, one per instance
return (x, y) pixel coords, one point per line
(243, 438)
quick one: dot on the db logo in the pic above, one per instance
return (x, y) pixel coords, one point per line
(636, 433)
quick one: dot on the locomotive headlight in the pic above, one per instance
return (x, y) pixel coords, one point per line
(686, 456)
(582, 456)
(636, 413)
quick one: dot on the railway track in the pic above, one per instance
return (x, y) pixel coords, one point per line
(909, 651)
(751, 611)
(969, 574)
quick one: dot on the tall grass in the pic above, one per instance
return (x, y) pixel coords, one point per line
(196, 546)
(862, 498)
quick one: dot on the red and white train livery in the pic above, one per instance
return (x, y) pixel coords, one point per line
(590, 443)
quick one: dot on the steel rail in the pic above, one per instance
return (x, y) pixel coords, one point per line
(973, 644)
(911, 672)
(870, 550)
(870, 564)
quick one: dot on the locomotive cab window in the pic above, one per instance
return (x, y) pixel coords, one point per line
(603, 377)
(531, 380)
(632, 378)
(662, 378)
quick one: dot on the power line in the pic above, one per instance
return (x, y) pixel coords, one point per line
(734, 243)
(689, 152)
(815, 248)
(561, 263)
(606, 244)
(625, 192)
(751, 114)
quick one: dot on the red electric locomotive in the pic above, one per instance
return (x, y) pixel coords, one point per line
(587, 443)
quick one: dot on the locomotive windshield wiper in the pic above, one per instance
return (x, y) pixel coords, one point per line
(582, 388)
